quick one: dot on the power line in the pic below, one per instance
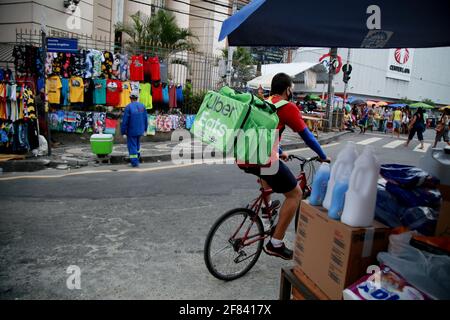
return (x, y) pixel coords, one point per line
(175, 10)
(207, 9)
(218, 4)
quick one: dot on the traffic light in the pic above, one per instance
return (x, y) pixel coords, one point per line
(346, 77)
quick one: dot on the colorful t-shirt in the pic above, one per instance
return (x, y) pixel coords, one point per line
(107, 64)
(100, 91)
(65, 91)
(76, 90)
(125, 94)
(397, 115)
(155, 69)
(137, 68)
(113, 90)
(147, 69)
(157, 94)
(145, 96)
(54, 86)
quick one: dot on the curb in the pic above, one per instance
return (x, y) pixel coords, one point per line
(41, 164)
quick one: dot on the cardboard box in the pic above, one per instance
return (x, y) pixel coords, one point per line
(332, 254)
(384, 284)
(443, 223)
(308, 289)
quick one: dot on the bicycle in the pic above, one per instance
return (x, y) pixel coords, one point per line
(240, 236)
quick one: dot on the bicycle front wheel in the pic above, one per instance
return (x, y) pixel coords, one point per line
(234, 244)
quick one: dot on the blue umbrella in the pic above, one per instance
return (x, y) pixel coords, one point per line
(349, 24)
(396, 105)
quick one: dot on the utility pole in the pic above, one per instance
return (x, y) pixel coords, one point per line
(230, 50)
(331, 71)
(47, 116)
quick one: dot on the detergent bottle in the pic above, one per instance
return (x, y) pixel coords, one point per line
(338, 195)
(319, 185)
(360, 199)
(344, 162)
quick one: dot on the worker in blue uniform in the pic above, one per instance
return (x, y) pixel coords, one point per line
(134, 125)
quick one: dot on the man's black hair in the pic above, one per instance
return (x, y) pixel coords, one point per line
(280, 82)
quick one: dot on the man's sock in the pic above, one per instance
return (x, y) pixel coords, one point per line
(276, 243)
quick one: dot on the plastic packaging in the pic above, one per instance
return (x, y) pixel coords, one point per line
(360, 199)
(344, 165)
(319, 186)
(407, 176)
(417, 197)
(388, 211)
(422, 219)
(428, 272)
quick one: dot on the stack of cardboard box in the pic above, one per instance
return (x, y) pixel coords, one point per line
(333, 255)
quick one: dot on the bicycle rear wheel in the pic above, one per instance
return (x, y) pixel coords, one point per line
(226, 257)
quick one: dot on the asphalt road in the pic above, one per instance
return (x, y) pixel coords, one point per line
(136, 234)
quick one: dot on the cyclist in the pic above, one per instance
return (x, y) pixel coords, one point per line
(284, 180)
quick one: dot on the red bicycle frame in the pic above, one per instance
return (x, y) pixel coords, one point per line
(263, 198)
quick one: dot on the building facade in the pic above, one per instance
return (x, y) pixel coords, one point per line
(97, 18)
(389, 74)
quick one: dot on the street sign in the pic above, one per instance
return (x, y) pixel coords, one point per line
(62, 45)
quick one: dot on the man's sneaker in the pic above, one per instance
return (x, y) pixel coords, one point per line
(275, 205)
(281, 252)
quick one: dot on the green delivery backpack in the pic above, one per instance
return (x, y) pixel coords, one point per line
(238, 123)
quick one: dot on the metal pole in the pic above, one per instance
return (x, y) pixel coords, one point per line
(329, 110)
(46, 113)
(346, 84)
(230, 50)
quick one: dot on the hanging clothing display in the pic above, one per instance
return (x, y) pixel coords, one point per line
(151, 128)
(145, 96)
(164, 71)
(125, 94)
(107, 64)
(165, 93)
(137, 68)
(61, 64)
(64, 92)
(54, 86)
(163, 123)
(124, 67)
(135, 87)
(172, 96)
(76, 90)
(3, 110)
(155, 69)
(89, 89)
(147, 68)
(180, 97)
(78, 63)
(157, 94)
(100, 91)
(113, 91)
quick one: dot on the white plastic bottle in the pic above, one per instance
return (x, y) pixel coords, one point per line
(344, 162)
(360, 199)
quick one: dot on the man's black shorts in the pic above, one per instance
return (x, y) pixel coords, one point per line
(281, 182)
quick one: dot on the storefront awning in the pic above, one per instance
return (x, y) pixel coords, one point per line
(292, 69)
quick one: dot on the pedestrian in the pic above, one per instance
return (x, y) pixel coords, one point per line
(405, 121)
(442, 128)
(348, 123)
(386, 118)
(364, 118)
(417, 124)
(134, 125)
(397, 118)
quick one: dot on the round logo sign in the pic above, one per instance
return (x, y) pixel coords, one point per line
(401, 55)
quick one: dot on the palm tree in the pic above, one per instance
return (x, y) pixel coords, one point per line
(243, 69)
(159, 30)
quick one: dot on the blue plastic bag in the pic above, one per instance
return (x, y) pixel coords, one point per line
(388, 211)
(417, 197)
(407, 176)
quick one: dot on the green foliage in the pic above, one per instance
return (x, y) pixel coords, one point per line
(243, 62)
(160, 30)
(405, 100)
(194, 100)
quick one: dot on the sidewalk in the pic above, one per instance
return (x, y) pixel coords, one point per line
(80, 155)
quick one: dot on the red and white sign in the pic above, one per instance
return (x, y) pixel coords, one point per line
(400, 64)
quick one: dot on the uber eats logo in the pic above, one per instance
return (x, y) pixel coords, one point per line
(213, 120)
(224, 108)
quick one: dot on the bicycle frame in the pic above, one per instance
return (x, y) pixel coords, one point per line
(263, 199)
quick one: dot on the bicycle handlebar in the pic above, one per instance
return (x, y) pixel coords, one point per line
(306, 160)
